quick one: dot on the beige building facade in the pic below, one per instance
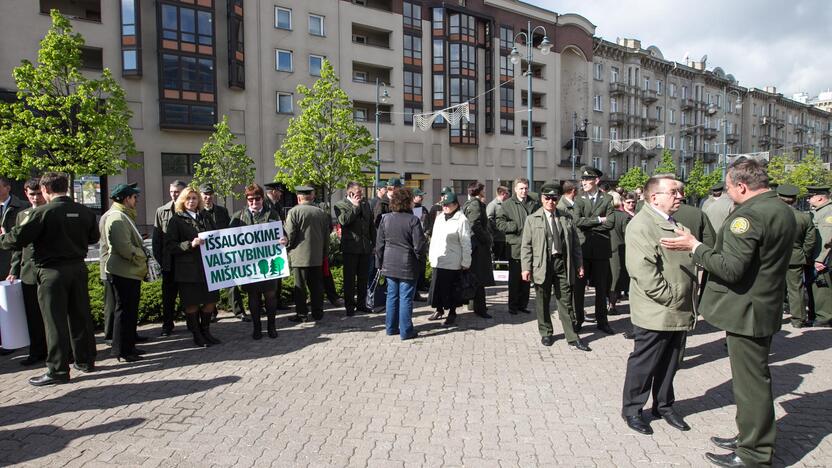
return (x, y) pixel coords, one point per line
(186, 63)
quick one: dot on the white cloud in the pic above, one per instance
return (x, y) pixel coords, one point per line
(762, 42)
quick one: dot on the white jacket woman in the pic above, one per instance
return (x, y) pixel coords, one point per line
(450, 243)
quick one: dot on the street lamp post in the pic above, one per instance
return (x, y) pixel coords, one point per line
(737, 106)
(574, 129)
(381, 98)
(545, 47)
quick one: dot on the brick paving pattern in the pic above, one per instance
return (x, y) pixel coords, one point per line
(484, 393)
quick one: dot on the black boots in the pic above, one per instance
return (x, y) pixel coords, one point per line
(193, 326)
(257, 330)
(205, 327)
(272, 329)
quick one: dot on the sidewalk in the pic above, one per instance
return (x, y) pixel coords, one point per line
(340, 392)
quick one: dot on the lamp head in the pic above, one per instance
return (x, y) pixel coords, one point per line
(738, 104)
(545, 46)
(515, 56)
(385, 97)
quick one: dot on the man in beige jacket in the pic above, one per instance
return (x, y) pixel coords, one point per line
(662, 285)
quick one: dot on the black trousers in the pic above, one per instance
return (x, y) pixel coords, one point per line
(109, 308)
(169, 292)
(312, 278)
(127, 293)
(355, 276)
(518, 290)
(235, 299)
(557, 281)
(499, 250)
(34, 321)
(597, 271)
(651, 368)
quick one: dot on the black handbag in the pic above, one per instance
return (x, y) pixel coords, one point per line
(468, 284)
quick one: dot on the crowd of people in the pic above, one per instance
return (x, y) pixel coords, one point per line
(733, 261)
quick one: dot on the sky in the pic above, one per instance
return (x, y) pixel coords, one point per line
(787, 44)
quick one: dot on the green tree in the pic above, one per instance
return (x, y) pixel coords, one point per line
(809, 171)
(63, 120)
(224, 163)
(633, 179)
(666, 165)
(324, 146)
(699, 183)
(776, 169)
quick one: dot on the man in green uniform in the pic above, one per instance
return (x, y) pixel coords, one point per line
(23, 268)
(550, 257)
(160, 227)
(307, 234)
(822, 286)
(511, 217)
(591, 218)
(743, 295)
(802, 250)
(60, 232)
(358, 236)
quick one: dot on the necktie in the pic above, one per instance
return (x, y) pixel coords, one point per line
(553, 228)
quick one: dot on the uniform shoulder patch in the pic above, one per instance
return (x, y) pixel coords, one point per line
(828, 219)
(740, 225)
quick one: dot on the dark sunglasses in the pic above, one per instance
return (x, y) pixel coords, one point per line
(550, 197)
(251, 199)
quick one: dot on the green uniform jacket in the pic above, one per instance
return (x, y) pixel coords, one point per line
(217, 216)
(805, 240)
(60, 233)
(746, 278)
(186, 260)
(381, 207)
(481, 241)
(22, 265)
(662, 281)
(121, 248)
(358, 228)
(718, 211)
(7, 222)
(822, 217)
(536, 245)
(245, 217)
(619, 220)
(307, 231)
(596, 243)
(491, 212)
(694, 219)
(511, 217)
(160, 227)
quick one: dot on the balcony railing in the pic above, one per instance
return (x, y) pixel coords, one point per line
(710, 133)
(616, 118)
(649, 95)
(649, 124)
(617, 88)
(732, 137)
(686, 103)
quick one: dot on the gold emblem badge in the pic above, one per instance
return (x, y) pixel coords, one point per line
(828, 219)
(740, 225)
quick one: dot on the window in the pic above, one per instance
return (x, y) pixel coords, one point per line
(315, 64)
(409, 110)
(359, 114)
(684, 118)
(236, 45)
(506, 99)
(438, 22)
(613, 169)
(282, 18)
(412, 86)
(708, 98)
(283, 60)
(646, 83)
(285, 105)
(707, 147)
(439, 88)
(316, 25)
(613, 105)
(613, 133)
(684, 92)
(179, 164)
(596, 133)
(599, 71)
(671, 90)
(92, 58)
(671, 142)
(412, 15)
(506, 126)
(614, 74)
(506, 68)
(659, 87)
(659, 113)
(360, 76)
(506, 38)
(719, 101)
(671, 116)
(187, 73)
(596, 103)
(130, 39)
(438, 52)
(596, 162)
(412, 49)
(187, 25)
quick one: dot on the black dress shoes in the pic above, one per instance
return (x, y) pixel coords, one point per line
(579, 345)
(547, 340)
(141, 339)
(47, 379)
(6, 352)
(32, 360)
(166, 332)
(298, 318)
(437, 315)
(606, 329)
(727, 443)
(525, 310)
(637, 424)
(628, 335)
(243, 317)
(85, 368)
(674, 419)
(484, 315)
(729, 460)
(129, 358)
(513, 312)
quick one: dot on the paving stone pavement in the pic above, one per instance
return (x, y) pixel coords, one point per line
(484, 393)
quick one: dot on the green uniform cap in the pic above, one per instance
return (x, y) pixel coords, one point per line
(550, 189)
(787, 190)
(122, 191)
(718, 187)
(447, 189)
(206, 188)
(418, 192)
(590, 172)
(394, 182)
(818, 189)
(304, 189)
(448, 198)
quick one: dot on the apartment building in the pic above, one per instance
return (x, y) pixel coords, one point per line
(186, 63)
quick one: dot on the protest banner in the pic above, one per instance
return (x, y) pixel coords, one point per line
(243, 255)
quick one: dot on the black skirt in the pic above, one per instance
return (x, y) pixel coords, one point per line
(443, 289)
(260, 287)
(196, 294)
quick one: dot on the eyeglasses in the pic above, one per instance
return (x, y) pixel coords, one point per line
(672, 193)
(253, 199)
(550, 197)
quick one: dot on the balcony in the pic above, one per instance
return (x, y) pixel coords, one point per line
(633, 120)
(649, 95)
(386, 5)
(766, 120)
(732, 137)
(709, 156)
(88, 10)
(764, 140)
(709, 133)
(649, 124)
(634, 90)
(366, 112)
(686, 104)
(366, 73)
(700, 104)
(800, 128)
(617, 89)
(688, 131)
(367, 35)
(616, 119)
(780, 123)
(777, 142)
